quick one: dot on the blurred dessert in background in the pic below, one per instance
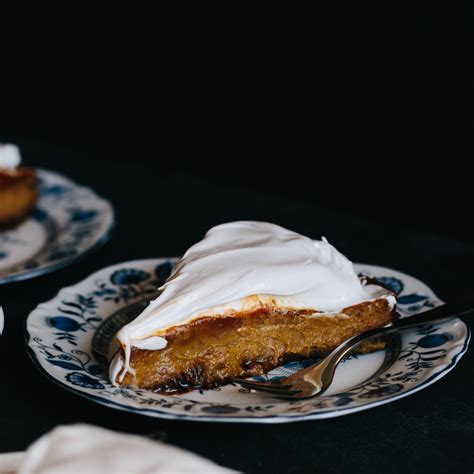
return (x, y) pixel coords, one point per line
(18, 187)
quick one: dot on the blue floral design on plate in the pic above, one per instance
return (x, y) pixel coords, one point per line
(53, 190)
(82, 215)
(129, 276)
(69, 340)
(63, 323)
(394, 284)
(83, 380)
(163, 271)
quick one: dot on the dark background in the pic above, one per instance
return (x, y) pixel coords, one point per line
(364, 110)
(351, 123)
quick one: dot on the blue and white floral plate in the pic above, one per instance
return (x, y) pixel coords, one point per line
(68, 221)
(70, 339)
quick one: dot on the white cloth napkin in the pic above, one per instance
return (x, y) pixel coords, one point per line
(84, 448)
(2, 320)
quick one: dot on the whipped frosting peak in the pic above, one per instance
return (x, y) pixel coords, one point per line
(10, 156)
(239, 266)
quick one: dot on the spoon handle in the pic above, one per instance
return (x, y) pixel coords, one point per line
(449, 310)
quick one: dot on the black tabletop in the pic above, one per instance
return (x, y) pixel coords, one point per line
(163, 214)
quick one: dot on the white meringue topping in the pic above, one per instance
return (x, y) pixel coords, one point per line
(10, 156)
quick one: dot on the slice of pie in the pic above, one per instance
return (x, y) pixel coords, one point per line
(18, 188)
(249, 297)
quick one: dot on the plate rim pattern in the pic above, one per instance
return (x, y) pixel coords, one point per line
(276, 418)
